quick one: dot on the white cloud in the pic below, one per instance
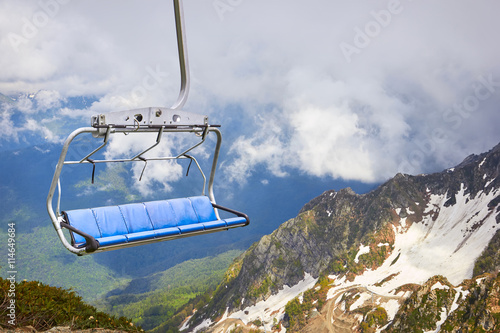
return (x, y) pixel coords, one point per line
(48, 99)
(11, 131)
(250, 152)
(390, 108)
(160, 173)
(330, 142)
(331, 129)
(34, 126)
(7, 130)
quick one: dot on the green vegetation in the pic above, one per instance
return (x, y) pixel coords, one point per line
(280, 262)
(479, 311)
(386, 279)
(41, 257)
(170, 291)
(396, 259)
(44, 307)
(489, 260)
(337, 267)
(422, 310)
(344, 263)
(375, 257)
(262, 288)
(298, 310)
(172, 324)
(373, 319)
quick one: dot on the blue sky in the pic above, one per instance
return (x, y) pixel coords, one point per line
(344, 90)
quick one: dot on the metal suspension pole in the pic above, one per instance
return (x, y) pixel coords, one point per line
(183, 57)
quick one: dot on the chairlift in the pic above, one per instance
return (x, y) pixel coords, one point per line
(107, 228)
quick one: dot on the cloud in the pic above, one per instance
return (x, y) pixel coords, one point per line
(7, 130)
(325, 128)
(411, 97)
(30, 115)
(393, 107)
(266, 147)
(162, 174)
(34, 126)
(48, 100)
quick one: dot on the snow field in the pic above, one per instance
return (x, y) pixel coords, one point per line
(274, 306)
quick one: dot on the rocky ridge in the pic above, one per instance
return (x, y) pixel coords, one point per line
(340, 239)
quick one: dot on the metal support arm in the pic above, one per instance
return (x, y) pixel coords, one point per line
(183, 58)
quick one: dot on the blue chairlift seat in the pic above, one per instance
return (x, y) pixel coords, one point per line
(98, 228)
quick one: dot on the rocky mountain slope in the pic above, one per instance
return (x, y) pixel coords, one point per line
(406, 255)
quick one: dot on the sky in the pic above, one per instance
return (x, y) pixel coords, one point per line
(350, 90)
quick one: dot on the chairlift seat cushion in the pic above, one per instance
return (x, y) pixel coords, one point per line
(235, 221)
(216, 224)
(136, 218)
(112, 240)
(110, 221)
(115, 225)
(161, 214)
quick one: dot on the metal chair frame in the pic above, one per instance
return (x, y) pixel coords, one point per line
(158, 120)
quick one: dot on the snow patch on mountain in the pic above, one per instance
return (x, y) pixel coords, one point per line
(391, 307)
(362, 250)
(446, 242)
(360, 301)
(206, 323)
(274, 306)
(439, 285)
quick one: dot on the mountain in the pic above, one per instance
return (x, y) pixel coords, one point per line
(419, 252)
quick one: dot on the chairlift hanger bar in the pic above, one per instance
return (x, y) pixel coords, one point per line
(147, 120)
(183, 56)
